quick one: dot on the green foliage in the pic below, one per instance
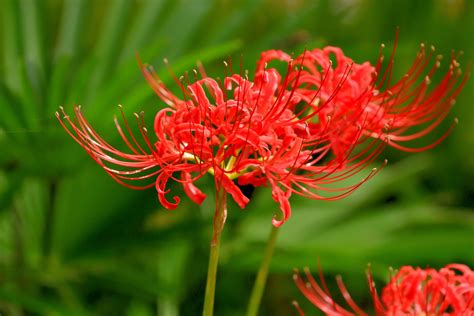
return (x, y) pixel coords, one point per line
(73, 242)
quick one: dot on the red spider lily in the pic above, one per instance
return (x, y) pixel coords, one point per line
(412, 291)
(367, 99)
(235, 129)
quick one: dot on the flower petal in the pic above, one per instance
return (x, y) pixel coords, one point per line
(231, 188)
(281, 197)
(191, 190)
(160, 185)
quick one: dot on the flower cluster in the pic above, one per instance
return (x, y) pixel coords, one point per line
(303, 132)
(412, 291)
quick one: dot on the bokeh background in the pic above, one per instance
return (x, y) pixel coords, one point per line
(73, 242)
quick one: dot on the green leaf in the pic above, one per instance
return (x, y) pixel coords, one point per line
(67, 45)
(34, 304)
(12, 46)
(34, 55)
(108, 44)
(139, 33)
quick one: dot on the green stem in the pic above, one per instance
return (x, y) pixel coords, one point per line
(261, 279)
(219, 220)
(211, 280)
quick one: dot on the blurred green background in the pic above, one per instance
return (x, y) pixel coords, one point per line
(73, 242)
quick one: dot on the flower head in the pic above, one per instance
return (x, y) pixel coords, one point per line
(411, 291)
(253, 132)
(299, 133)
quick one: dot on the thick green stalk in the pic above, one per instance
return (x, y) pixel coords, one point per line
(219, 220)
(261, 279)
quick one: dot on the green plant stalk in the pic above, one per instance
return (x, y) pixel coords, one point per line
(261, 279)
(219, 220)
(211, 279)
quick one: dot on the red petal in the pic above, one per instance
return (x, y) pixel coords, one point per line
(160, 185)
(283, 198)
(270, 55)
(231, 188)
(191, 190)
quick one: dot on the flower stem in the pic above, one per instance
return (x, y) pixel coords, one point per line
(219, 220)
(261, 279)
(211, 279)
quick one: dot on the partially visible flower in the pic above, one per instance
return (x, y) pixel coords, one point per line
(412, 291)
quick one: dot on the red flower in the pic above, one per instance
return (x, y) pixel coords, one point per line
(412, 291)
(353, 96)
(303, 133)
(249, 131)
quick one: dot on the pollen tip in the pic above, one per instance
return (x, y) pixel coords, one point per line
(225, 63)
(433, 48)
(374, 169)
(145, 129)
(385, 161)
(382, 45)
(456, 120)
(295, 277)
(165, 60)
(136, 115)
(427, 80)
(422, 45)
(61, 108)
(295, 303)
(57, 114)
(120, 106)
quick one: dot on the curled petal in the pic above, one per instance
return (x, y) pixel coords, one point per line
(269, 55)
(191, 190)
(160, 185)
(281, 197)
